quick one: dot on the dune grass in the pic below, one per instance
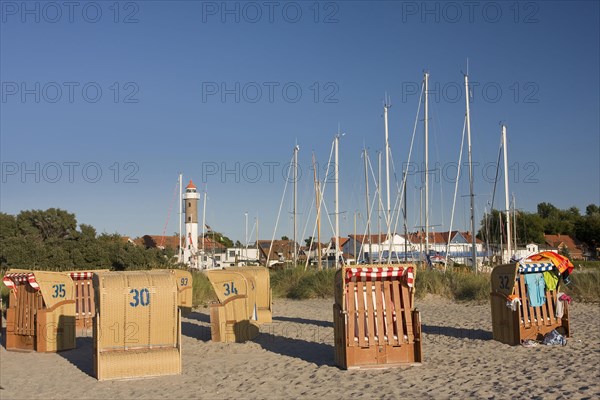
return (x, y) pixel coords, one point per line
(4, 292)
(296, 283)
(203, 292)
(457, 285)
(585, 286)
(460, 285)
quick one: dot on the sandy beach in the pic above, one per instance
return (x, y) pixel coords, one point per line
(293, 357)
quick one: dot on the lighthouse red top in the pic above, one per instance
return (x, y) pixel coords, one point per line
(190, 185)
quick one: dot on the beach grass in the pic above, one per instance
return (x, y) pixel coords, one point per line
(585, 286)
(460, 285)
(203, 292)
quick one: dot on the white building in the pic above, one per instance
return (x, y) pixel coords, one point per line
(371, 249)
(236, 256)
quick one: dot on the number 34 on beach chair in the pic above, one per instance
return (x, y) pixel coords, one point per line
(374, 322)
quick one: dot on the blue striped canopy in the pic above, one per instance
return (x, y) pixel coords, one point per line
(526, 268)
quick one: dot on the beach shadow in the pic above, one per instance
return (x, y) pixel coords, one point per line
(318, 353)
(198, 317)
(82, 356)
(458, 333)
(324, 324)
(3, 337)
(195, 331)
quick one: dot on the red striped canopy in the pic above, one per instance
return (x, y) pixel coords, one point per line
(380, 273)
(79, 276)
(13, 279)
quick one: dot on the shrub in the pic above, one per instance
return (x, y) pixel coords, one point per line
(313, 284)
(203, 291)
(470, 286)
(585, 286)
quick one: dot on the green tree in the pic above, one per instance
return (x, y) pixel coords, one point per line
(52, 223)
(219, 237)
(8, 226)
(592, 209)
(308, 240)
(588, 230)
(547, 210)
(530, 228)
(87, 231)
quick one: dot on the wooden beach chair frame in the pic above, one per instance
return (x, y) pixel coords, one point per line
(366, 333)
(85, 307)
(41, 311)
(526, 322)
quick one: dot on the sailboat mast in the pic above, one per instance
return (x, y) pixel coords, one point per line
(388, 213)
(473, 245)
(426, 164)
(337, 211)
(514, 226)
(405, 227)
(296, 148)
(180, 255)
(506, 200)
(203, 225)
(318, 203)
(367, 200)
(379, 207)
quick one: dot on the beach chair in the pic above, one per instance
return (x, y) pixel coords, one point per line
(185, 293)
(260, 277)
(375, 325)
(85, 309)
(41, 311)
(525, 322)
(137, 327)
(233, 319)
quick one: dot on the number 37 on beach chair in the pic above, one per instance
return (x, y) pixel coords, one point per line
(375, 325)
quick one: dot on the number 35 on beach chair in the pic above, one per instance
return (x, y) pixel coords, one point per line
(374, 321)
(515, 317)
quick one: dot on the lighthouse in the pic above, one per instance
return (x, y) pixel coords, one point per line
(190, 249)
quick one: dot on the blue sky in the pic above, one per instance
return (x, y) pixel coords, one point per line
(103, 106)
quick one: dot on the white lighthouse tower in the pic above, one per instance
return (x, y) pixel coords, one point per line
(190, 249)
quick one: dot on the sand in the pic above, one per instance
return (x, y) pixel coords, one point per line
(293, 357)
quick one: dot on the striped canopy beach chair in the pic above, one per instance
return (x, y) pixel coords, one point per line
(375, 324)
(41, 311)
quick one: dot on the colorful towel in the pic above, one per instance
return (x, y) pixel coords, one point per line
(561, 263)
(551, 280)
(536, 288)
